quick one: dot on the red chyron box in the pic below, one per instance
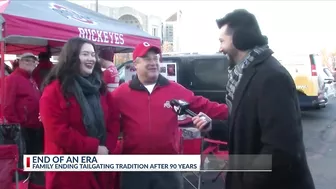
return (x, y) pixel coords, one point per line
(28, 162)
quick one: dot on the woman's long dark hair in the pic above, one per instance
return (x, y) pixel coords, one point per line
(68, 66)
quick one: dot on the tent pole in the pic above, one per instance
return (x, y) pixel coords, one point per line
(96, 5)
(2, 71)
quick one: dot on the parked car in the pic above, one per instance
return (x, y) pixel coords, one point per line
(310, 79)
(329, 74)
(330, 90)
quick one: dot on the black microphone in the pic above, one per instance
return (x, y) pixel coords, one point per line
(181, 107)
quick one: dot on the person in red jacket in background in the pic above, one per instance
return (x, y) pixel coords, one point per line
(22, 103)
(15, 64)
(43, 68)
(8, 71)
(76, 113)
(155, 130)
(111, 76)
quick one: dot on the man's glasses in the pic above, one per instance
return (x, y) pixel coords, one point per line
(151, 59)
(29, 60)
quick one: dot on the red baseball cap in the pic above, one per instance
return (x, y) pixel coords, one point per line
(142, 49)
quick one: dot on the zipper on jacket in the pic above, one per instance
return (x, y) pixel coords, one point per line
(149, 122)
(149, 117)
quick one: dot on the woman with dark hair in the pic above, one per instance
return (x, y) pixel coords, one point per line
(75, 110)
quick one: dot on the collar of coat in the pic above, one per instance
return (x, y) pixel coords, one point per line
(137, 85)
(260, 58)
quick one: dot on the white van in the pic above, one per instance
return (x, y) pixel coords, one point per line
(310, 79)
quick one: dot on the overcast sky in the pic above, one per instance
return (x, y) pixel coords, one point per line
(296, 26)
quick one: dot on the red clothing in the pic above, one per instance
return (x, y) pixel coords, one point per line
(22, 99)
(65, 133)
(111, 77)
(41, 71)
(1, 116)
(185, 120)
(149, 124)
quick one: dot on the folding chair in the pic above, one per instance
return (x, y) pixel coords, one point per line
(11, 152)
(11, 134)
(9, 157)
(221, 155)
(191, 142)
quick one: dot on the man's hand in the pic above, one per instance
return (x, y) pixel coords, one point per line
(102, 150)
(39, 117)
(202, 122)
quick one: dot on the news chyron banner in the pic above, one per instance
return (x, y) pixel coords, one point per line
(161, 163)
(117, 163)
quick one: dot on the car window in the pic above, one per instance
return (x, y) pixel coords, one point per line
(327, 71)
(209, 73)
(121, 72)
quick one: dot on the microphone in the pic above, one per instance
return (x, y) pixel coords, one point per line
(181, 107)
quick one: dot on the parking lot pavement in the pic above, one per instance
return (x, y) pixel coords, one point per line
(319, 130)
(320, 140)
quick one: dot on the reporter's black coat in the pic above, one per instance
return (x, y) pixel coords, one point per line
(265, 119)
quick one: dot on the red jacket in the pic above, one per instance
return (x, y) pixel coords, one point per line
(65, 134)
(22, 99)
(148, 122)
(41, 71)
(1, 116)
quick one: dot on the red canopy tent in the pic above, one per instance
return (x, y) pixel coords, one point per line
(35, 25)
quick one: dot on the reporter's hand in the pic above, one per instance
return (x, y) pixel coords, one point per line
(102, 150)
(202, 122)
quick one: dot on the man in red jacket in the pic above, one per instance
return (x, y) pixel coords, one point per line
(149, 124)
(43, 68)
(22, 103)
(111, 76)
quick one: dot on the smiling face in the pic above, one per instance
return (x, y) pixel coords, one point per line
(28, 64)
(226, 44)
(147, 67)
(87, 57)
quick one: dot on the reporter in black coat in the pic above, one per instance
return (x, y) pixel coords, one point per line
(264, 111)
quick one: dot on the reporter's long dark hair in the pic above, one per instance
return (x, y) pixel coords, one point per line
(68, 66)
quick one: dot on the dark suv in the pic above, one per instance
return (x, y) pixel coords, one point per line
(205, 75)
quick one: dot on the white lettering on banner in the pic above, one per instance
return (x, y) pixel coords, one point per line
(119, 163)
(101, 36)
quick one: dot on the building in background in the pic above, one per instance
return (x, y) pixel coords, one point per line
(171, 31)
(149, 23)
